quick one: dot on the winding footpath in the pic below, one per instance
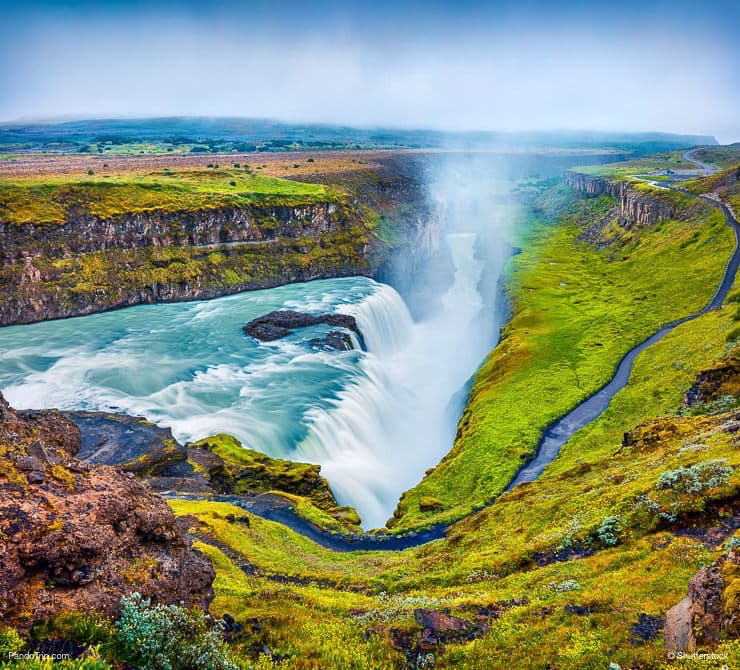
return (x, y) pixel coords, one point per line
(559, 432)
(548, 448)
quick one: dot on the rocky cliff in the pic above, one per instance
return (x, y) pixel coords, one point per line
(638, 206)
(89, 265)
(82, 233)
(76, 537)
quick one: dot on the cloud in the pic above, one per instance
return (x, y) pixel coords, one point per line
(490, 66)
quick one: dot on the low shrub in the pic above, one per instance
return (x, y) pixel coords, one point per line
(168, 637)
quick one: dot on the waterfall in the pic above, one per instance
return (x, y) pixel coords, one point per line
(383, 319)
(399, 417)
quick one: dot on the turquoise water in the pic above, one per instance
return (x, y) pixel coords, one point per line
(374, 420)
(188, 365)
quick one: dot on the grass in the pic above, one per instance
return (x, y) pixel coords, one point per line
(50, 200)
(723, 184)
(722, 157)
(577, 311)
(662, 161)
(304, 595)
(249, 471)
(577, 308)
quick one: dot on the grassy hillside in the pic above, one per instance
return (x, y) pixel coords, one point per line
(578, 309)
(48, 199)
(668, 160)
(723, 185)
(722, 156)
(574, 570)
(600, 505)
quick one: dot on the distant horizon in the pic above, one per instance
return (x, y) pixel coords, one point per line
(63, 119)
(464, 66)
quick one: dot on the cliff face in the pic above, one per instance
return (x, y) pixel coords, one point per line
(637, 207)
(89, 265)
(82, 233)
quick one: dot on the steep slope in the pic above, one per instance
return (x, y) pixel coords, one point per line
(584, 293)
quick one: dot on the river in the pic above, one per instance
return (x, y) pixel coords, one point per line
(373, 420)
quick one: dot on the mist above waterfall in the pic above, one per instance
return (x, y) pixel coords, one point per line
(400, 417)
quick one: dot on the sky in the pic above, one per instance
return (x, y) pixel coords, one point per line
(662, 65)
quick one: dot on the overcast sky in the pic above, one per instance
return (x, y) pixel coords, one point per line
(648, 65)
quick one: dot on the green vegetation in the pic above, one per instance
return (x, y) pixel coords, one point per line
(577, 310)
(300, 484)
(663, 161)
(723, 185)
(161, 636)
(52, 199)
(115, 276)
(558, 572)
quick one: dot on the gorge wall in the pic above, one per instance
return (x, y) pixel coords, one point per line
(637, 205)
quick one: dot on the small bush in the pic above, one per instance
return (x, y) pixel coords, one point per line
(733, 335)
(233, 183)
(697, 478)
(168, 637)
(722, 404)
(91, 172)
(309, 160)
(608, 532)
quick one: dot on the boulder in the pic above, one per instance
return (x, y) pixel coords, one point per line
(710, 609)
(130, 443)
(336, 340)
(280, 323)
(77, 537)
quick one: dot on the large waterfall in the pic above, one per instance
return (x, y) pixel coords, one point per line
(374, 420)
(399, 417)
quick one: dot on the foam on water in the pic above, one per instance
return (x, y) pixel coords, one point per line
(399, 416)
(374, 420)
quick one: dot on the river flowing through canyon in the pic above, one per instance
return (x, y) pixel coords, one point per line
(374, 420)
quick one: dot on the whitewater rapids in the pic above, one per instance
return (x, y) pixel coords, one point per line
(374, 420)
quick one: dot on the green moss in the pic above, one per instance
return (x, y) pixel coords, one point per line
(249, 471)
(46, 199)
(577, 310)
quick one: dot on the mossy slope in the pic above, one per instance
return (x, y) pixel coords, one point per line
(578, 308)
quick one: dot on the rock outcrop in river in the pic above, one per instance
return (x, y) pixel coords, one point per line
(280, 323)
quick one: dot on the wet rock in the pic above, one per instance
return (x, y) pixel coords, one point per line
(280, 323)
(335, 340)
(578, 610)
(77, 540)
(130, 443)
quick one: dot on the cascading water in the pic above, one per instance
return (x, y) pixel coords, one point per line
(396, 419)
(374, 420)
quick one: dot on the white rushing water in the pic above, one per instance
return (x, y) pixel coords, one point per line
(399, 418)
(373, 420)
